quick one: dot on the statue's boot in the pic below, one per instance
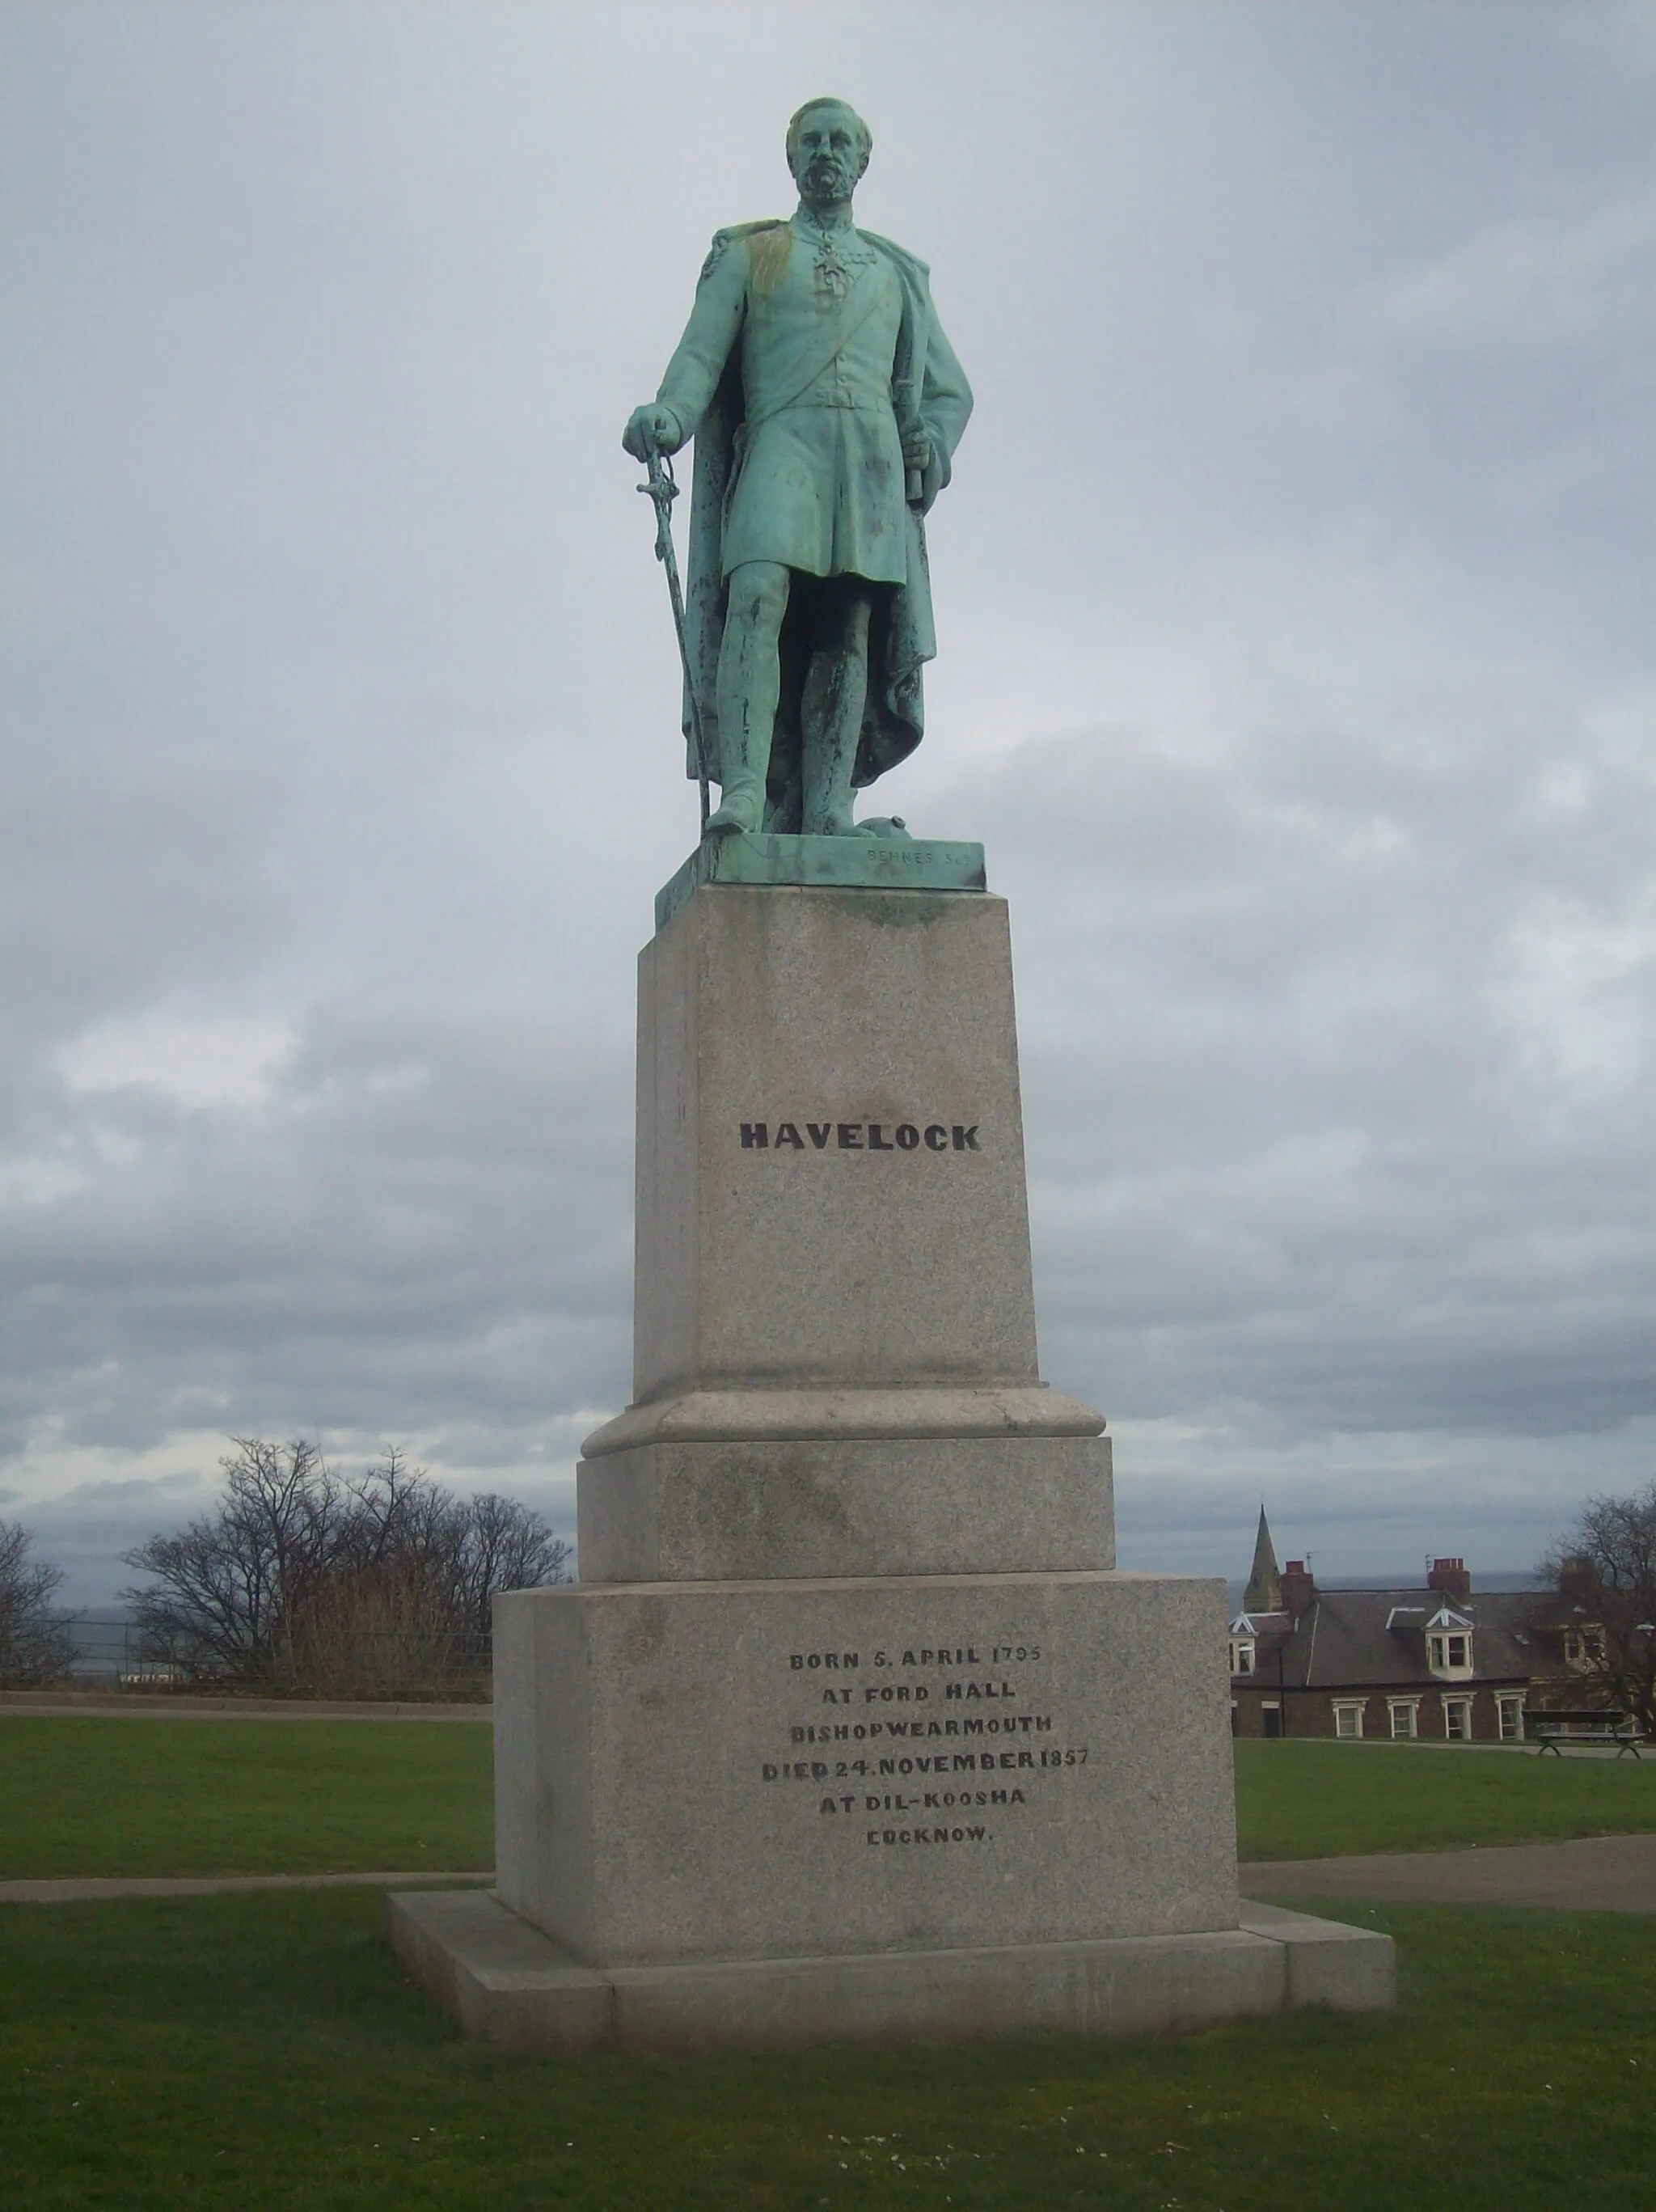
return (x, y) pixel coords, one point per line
(741, 795)
(738, 811)
(827, 793)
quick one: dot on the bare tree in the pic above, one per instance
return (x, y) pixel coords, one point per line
(390, 1614)
(35, 1644)
(1605, 1568)
(227, 1592)
(303, 1581)
(391, 1628)
(505, 1547)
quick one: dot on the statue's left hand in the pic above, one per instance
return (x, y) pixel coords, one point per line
(927, 475)
(923, 458)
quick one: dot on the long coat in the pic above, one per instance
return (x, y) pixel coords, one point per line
(756, 397)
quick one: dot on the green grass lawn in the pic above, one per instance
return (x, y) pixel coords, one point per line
(265, 2052)
(115, 1796)
(1326, 1800)
(95, 1795)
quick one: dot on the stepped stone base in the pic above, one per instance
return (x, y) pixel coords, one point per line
(852, 1730)
(790, 1508)
(509, 1984)
(705, 1771)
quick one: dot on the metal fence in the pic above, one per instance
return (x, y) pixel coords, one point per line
(108, 1652)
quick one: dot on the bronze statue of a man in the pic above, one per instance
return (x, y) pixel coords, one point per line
(825, 404)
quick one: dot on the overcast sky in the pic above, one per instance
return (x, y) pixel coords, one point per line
(1297, 668)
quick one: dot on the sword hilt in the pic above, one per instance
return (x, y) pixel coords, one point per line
(663, 485)
(661, 491)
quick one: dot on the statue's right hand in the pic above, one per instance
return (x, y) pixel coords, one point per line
(651, 429)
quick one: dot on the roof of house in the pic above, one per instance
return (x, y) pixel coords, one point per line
(1376, 1639)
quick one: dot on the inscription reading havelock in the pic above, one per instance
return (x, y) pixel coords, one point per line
(939, 1749)
(861, 1136)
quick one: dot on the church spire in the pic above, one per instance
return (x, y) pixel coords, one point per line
(1264, 1593)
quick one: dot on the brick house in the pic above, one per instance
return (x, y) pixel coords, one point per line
(1430, 1663)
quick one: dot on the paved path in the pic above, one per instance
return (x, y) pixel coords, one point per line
(1594, 1874)
(74, 1893)
(142, 1705)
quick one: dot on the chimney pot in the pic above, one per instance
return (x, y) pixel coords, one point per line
(1451, 1578)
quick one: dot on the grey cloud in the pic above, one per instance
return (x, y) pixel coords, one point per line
(123, 874)
(130, 1492)
(1302, 1156)
(1582, 278)
(350, 1255)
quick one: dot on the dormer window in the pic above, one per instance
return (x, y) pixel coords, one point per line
(1449, 1644)
(1450, 1654)
(1241, 1655)
(1584, 1646)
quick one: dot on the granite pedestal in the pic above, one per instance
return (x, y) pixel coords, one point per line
(851, 1728)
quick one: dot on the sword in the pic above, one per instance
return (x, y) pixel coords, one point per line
(661, 491)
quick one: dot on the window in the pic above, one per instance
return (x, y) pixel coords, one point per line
(1241, 1655)
(1271, 1712)
(1458, 1719)
(1403, 1713)
(1584, 1646)
(1449, 1651)
(1509, 1714)
(1348, 1716)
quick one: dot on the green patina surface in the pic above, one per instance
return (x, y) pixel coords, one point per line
(825, 404)
(886, 864)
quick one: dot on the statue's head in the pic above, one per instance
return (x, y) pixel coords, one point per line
(829, 146)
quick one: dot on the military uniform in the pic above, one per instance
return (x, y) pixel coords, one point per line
(817, 481)
(811, 356)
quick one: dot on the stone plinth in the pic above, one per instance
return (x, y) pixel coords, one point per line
(793, 1508)
(851, 1728)
(834, 1338)
(830, 1184)
(754, 1770)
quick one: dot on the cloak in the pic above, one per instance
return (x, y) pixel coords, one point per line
(929, 391)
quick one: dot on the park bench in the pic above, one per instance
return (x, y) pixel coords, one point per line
(1552, 1731)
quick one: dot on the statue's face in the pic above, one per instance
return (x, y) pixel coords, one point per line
(829, 156)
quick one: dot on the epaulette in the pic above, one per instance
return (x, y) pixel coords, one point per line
(724, 239)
